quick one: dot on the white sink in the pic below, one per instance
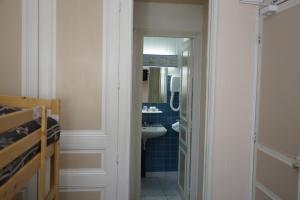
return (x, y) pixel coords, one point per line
(175, 127)
(152, 131)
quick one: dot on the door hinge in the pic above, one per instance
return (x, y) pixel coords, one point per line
(119, 85)
(259, 39)
(255, 137)
(117, 159)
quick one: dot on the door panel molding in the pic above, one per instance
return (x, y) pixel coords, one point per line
(267, 191)
(277, 155)
(288, 4)
(83, 179)
(83, 142)
(83, 190)
(277, 176)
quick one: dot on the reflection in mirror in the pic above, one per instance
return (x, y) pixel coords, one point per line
(155, 85)
(160, 61)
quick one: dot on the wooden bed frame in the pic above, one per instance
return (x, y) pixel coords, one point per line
(37, 164)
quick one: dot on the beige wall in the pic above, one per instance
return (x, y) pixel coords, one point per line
(233, 100)
(10, 47)
(79, 63)
(155, 16)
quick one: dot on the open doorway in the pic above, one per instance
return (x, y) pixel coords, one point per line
(169, 93)
(166, 114)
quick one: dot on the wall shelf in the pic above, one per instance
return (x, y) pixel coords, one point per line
(152, 112)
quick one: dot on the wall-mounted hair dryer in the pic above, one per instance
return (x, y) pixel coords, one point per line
(174, 87)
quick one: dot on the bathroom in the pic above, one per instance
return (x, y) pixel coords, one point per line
(160, 115)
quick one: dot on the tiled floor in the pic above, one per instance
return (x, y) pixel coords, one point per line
(160, 188)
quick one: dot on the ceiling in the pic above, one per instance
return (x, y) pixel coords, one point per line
(176, 1)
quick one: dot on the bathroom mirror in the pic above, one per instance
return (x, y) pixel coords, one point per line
(160, 62)
(154, 86)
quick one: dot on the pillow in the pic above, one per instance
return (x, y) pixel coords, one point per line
(6, 110)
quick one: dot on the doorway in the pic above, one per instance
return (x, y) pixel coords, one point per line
(159, 21)
(166, 117)
(176, 173)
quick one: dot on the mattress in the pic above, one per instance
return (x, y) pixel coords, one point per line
(9, 137)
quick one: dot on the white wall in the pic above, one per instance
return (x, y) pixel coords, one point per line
(168, 17)
(162, 45)
(233, 101)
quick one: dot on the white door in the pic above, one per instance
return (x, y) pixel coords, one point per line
(89, 152)
(278, 139)
(89, 139)
(184, 154)
(89, 136)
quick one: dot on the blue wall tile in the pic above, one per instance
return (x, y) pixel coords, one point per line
(162, 152)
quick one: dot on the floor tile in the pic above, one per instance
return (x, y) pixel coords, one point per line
(154, 198)
(173, 198)
(160, 188)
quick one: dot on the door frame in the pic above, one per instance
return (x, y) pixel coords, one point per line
(255, 123)
(124, 28)
(210, 92)
(117, 75)
(38, 59)
(213, 23)
(197, 65)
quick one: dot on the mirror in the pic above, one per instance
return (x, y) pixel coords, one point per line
(160, 62)
(155, 85)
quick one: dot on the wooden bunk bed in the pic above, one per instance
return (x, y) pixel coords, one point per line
(38, 139)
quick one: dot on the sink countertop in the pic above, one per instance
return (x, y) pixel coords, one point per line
(152, 112)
